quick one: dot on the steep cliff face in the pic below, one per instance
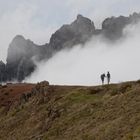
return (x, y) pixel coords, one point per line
(21, 56)
(23, 53)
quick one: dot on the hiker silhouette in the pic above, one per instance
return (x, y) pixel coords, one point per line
(108, 77)
(102, 78)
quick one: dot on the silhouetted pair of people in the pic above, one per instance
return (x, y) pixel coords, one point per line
(108, 76)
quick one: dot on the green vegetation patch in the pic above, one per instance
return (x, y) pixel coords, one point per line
(82, 95)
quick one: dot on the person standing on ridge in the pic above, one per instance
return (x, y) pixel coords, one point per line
(108, 77)
(102, 78)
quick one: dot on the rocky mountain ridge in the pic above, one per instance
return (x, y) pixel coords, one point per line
(22, 53)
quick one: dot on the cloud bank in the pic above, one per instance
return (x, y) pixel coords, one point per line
(83, 65)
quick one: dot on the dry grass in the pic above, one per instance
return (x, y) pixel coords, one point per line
(110, 112)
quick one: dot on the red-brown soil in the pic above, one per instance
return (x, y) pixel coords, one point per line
(11, 93)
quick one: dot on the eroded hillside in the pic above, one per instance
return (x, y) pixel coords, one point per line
(47, 112)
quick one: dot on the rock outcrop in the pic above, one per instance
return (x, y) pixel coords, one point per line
(21, 58)
(112, 28)
(77, 32)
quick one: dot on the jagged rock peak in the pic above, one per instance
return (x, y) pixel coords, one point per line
(83, 25)
(79, 16)
(135, 14)
(18, 48)
(71, 34)
(135, 17)
(82, 19)
(17, 43)
(18, 38)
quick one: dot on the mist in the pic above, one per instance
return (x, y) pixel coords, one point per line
(83, 65)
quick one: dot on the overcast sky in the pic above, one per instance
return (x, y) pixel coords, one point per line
(38, 19)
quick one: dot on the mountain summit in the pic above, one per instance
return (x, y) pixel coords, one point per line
(77, 32)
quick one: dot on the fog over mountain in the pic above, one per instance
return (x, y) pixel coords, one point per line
(77, 53)
(83, 64)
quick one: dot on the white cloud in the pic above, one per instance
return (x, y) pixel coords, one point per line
(83, 66)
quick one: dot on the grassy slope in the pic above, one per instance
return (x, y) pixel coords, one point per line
(110, 112)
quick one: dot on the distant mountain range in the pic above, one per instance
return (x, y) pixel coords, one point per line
(22, 53)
